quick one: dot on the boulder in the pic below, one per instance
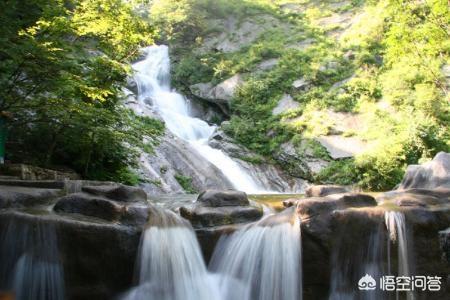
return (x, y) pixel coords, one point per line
(217, 208)
(200, 216)
(325, 190)
(119, 192)
(285, 104)
(220, 94)
(107, 209)
(342, 147)
(267, 64)
(216, 198)
(84, 204)
(430, 175)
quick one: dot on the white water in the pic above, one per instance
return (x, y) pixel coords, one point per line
(396, 227)
(152, 76)
(261, 261)
(171, 266)
(29, 261)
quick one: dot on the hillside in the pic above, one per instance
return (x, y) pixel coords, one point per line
(351, 90)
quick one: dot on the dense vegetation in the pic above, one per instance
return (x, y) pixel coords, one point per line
(392, 80)
(63, 65)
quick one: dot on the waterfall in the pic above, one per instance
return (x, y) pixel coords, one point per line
(29, 261)
(356, 255)
(152, 76)
(262, 260)
(396, 227)
(170, 264)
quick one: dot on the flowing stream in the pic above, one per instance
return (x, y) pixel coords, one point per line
(261, 261)
(152, 76)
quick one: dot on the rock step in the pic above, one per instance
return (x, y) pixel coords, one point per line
(40, 184)
(6, 177)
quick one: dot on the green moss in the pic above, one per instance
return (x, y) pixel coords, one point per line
(186, 183)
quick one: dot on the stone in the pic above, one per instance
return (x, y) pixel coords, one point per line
(118, 192)
(325, 190)
(342, 147)
(19, 197)
(267, 64)
(98, 258)
(301, 84)
(217, 198)
(431, 175)
(84, 204)
(203, 216)
(285, 104)
(221, 94)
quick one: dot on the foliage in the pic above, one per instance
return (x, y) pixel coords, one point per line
(186, 183)
(63, 66)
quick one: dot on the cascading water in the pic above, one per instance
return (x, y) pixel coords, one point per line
(351, 261)
(170, 264)
(29, 262)
(396, 227)
(152, 76)
(261, 261)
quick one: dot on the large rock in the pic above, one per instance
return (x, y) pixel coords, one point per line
(216, 198)
(221, 94)
(96, 204)
(285, 104)
(269, 175)
(217, 208)
(98, 258)
(342, 147)
(172, 157)
(431, 175)
(325, 190)
(119, 192)
(18, 197)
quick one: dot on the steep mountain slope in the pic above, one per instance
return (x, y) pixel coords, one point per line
(331, 91)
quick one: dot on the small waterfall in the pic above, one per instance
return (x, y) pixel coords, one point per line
(396, 227)
(152, 76)
(261, 261)
(29, 261)
(355, 256)
(170, 264)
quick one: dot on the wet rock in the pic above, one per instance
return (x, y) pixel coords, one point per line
(16, 196)
(268, 175)
(217, 208)
(444, 239)
(87, 274)
(216, 198)
(325, 190)
(88, 205)
(119, 192)
(430, 175)
(200, 216)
